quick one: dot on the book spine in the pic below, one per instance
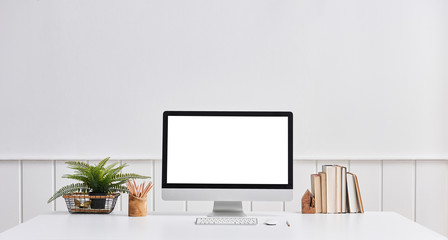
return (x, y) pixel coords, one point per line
(317, 193)
(344, 189)
(358, 193)
(338, 189)
(323, 185)
(331, 187)
(352, 195)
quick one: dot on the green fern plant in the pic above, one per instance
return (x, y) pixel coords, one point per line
(96, 178)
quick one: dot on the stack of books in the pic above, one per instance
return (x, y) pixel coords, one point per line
(336, 191)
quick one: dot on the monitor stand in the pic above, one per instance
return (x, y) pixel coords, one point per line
(227, 209)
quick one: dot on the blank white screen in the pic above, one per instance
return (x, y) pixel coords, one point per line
(227, 150)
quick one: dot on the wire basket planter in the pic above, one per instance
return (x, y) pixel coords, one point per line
(84, 203)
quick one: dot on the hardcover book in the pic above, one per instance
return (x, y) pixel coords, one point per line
(330, 171)
(316, 191)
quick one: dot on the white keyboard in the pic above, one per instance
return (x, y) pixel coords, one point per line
(226, 221)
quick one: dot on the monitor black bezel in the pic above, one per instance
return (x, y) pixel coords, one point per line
(289, 115)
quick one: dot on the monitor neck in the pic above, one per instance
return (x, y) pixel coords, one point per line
(227, 209)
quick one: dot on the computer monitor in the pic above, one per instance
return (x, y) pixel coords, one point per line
(227, 157)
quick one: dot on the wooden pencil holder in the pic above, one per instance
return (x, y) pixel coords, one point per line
(137, 206)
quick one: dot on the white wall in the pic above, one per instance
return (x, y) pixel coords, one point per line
(365, 79)
(416, 189)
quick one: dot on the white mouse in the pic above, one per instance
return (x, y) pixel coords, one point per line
(270, 222)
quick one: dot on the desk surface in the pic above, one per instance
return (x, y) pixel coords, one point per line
(372, 225)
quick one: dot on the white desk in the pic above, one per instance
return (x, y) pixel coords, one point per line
(375, 226)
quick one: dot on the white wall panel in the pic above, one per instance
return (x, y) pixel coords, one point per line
(414, 189)
(399, 187)
(10, 188)
(369, 175)
(37, 188)
(142, 167)
(302, 181)
(159, 204)
(432, 195)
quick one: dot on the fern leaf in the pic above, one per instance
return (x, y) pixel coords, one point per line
(102, 163)
(121, 189)
(108, 168)
(74, 187)
(79, 177)
(77, 164)
(126, 176)
(113, 172)
(116, 170)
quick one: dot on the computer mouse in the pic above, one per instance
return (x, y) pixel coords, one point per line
(271, 222)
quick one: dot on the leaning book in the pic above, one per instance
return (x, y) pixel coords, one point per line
(317, 192)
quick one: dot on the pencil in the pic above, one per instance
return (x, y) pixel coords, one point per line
(287, 223)
(139, 191)
(135, 187)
